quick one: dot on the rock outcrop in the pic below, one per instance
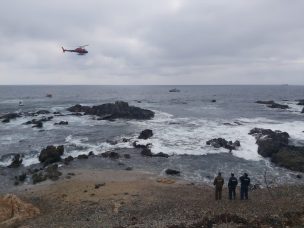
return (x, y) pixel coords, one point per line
(8, 117)
(14, 211)
(145, 134)
(111, 111)
(51, 172)
(272, 104)
(16, 161)
(220, 142)
(51, 154)
(172, 172)
(275, 145)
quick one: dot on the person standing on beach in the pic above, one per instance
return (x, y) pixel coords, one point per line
(245, 181)
(218, 183)
(232, 186)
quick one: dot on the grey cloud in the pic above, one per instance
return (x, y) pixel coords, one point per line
(152, 42)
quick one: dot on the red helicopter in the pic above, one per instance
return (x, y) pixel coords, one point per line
(80, 50)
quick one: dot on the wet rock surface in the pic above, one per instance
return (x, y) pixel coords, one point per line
(220, 142)
(111, 111)
(145, 134)
(275, 144)
(16, 161)
(51, 154)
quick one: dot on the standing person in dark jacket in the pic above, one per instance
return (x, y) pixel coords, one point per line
(218, 182)
(245, 181)
(232, 186)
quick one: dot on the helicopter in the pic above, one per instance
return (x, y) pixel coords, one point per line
(80, 50)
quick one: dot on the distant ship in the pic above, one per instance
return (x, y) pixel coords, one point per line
(174, 90)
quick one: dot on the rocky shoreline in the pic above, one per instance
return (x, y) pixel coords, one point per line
(92, 198)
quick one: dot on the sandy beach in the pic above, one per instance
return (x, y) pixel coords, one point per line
(108, 198)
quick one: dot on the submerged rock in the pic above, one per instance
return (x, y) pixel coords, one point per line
(83, 156)
(145, 134)
(117, 110)
(62, 123)
(51, 154)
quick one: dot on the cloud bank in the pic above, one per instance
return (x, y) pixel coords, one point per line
(152, 42)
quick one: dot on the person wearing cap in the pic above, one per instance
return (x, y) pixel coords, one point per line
(218, 183)
(232, 186)
(245, 181)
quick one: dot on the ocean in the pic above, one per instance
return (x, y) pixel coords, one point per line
(183, 122)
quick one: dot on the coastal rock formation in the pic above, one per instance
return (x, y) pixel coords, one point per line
(13, 211)
(16, 161)
(51, 172)
(269, 141)
(220, 142)
(8, 117)
(274, 144)
(272, 104)
(51, 154)
(111, 111)
(302, 110)
(43, 112)
(300, 102)
(145, 134)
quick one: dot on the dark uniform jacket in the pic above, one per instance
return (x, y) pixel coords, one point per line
(232, 182)
(218, 182)
(245, 181)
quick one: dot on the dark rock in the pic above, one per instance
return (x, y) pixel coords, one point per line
(172, 172)
(290, 157)
(300, 102)
(51, 154)
(7, 117)
(62, 123)
(174, 90)
(42, 112)
(302, 110)
(91, 153)
(16, 161)
(39, 124)
(38, 177)
(220, 142)
(52, 173)
(146, 152)
(129, 168)
(127, 156)
(269, 141)
(299, 176)
(125, 140)
(57, 113)
(145, 134)
(161, 154)
(272, 104)
(276, 105)
(119, 109)
(83, 156)
(110, 154)
(99, 185)
(265, 102)
(68, 160)
(213, 101)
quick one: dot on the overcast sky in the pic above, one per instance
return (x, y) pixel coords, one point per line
(152, 42)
